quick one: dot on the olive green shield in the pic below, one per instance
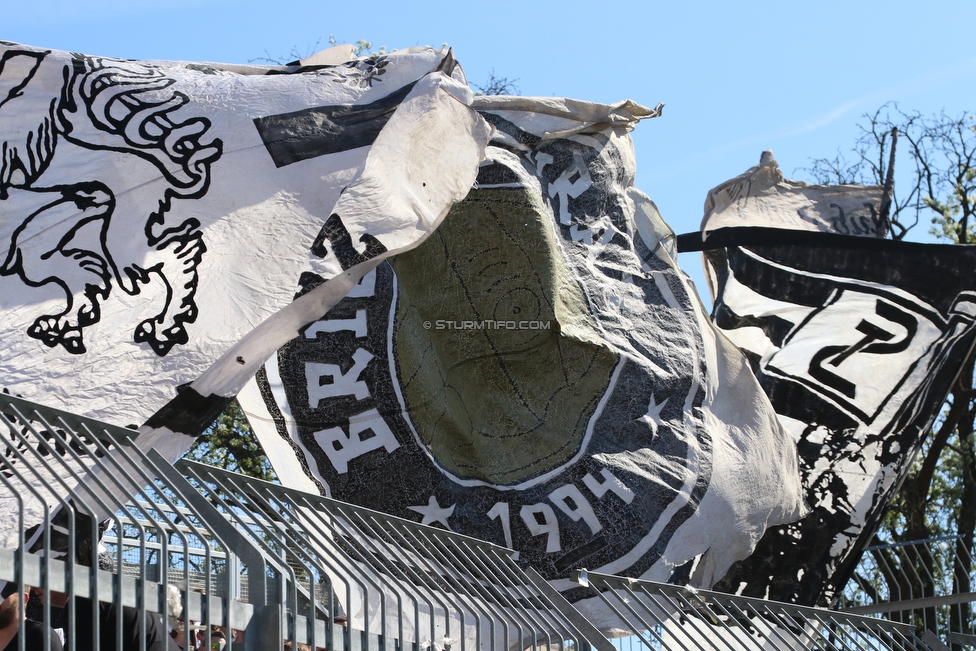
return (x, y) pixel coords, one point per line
(500, 365)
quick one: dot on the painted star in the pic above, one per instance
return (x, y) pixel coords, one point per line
(653, 415)
(433, 512)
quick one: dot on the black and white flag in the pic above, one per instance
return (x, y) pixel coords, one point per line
(856, 340)
(155, 217)
(539, 373)
(761, 197)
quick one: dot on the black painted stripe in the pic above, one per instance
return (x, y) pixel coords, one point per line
(322, 130)
(189, 412)
(497, 174)
(448, 64)
(755, 236)
(572, 558)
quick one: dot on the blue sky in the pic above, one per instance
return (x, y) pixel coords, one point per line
(736, 78)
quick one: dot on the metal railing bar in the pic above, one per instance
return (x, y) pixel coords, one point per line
(882, 560)
(671, 611)
(354, 540)
(520, 581)
(496, 565)
(470, 587)
(147, 481)
(296, 549)
(261, 544)
(350, 542)
(804, 627)
(477, 586)
(744, 619)
(776, 627)
(481, 581)
(644, 620)
(111, 458)
(415, 576)
(319, 521)
(486, 585)
(706, 618)
(251, 544)
(500, 589)
(45, 465)
(913, 604)
(802, 611)
(565, 619)
(408, 569)
(913, 566)
(686, 620)
(360, 551)
(650, 622)
(93, 472)
(830, 627)
(776, 621)
(232, 539)
(22, 406)
(59, 574)
(111, 539)
(140, 469)
(857, 636)
(487, 602)
(18, 564)
(963, 639)
(932, 539)
(65, 502)
(378, 576)
(207, 607)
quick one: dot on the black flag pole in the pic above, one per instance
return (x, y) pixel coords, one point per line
(889, 184)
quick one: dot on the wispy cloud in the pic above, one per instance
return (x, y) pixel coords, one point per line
(852, 108)
(825, 119)
(892, 92)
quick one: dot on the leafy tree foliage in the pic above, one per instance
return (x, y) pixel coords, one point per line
(230, 443)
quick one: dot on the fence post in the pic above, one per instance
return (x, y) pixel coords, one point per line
(235, 542)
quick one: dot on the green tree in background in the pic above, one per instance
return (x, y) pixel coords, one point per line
(231, 444)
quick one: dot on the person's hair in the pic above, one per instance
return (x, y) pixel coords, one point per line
(301, 646)
(9, 612)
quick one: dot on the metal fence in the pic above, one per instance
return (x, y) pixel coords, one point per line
(964, 642)
(927, 583)
(264, 564)
(668, 617)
